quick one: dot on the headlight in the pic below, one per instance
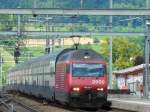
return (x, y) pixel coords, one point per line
(76, 89)
(100, 89)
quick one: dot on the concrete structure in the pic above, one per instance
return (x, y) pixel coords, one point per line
(131, 104)
(83, 41)
(131, 78)
(38, 34)
(104, 12)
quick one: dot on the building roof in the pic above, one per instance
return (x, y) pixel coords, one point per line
(130, 70)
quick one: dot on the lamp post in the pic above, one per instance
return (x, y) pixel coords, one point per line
(110, 48)
(49, 46)
(76, 40)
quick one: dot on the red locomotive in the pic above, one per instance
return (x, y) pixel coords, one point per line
(74, 76)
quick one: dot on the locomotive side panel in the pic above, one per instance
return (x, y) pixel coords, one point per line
(60, 92)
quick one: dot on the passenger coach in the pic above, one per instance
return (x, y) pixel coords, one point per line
(74, 76)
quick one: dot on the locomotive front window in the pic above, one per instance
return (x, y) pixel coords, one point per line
(88, 70)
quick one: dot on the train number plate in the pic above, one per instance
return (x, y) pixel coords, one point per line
(98, 82)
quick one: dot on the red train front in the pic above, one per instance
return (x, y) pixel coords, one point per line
(80, 78)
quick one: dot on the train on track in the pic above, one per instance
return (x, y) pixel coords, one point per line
(75, 77)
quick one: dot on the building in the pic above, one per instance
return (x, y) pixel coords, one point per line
(131, 78)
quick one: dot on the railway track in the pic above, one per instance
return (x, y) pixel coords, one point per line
(102, 110)
(4, 103)
(24, 104)
(8, 104)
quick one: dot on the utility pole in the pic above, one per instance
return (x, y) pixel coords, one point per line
(146, 67)
(146, 54)
(110, 47)
(19, 26)
(47, 40)
(35, 5)
(81, 4)
(52, 40)
(147, 4)
(53, 5)
(1, 68)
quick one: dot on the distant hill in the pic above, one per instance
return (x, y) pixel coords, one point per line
(71, 3)
(88, 4)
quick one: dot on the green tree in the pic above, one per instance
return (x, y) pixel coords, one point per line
(124, 50)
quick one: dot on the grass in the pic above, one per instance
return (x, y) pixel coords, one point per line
(7, 63)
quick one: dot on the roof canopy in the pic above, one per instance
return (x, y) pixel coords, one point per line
(130, 70)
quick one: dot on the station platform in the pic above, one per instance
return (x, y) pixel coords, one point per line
(130, 103)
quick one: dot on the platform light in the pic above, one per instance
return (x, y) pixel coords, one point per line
(76, 89)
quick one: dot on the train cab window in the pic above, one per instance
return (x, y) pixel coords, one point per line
(105, 69)
(88, 70)
(67, 68)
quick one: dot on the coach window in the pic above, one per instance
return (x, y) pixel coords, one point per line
(52, 70)
(24, 72)
(30, 79)
(35, 70)
(32, 69)
(47, 67)
(34, 80)
(27, 71)
(27, 76)
(34, 83)
(41, 69)
(24, 79)
(17, 79)
(46, 83)
(40, 79)
(38, 69)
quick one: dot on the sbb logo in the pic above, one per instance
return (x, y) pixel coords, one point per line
(98, 82)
